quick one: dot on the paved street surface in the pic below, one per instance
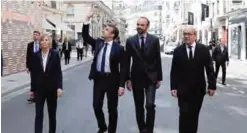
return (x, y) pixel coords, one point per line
(225, 113)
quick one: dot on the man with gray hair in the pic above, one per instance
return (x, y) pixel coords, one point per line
(188, 80)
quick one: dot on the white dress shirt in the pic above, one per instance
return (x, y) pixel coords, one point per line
(193, 49)
(79, 45)
(222, 48)
(44, 59)
(107, 57)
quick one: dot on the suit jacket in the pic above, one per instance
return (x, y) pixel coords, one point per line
(51, 79)
(117, 57)
(69, 47)
(220, 56)
(29, 55)
(149, 64)
(187, 76)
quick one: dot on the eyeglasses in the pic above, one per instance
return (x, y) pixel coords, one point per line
(188, 34)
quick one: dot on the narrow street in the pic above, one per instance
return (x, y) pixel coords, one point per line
(224, 113)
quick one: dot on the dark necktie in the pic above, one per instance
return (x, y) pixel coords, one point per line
(142, 45)
(190, 53)
(103, 59)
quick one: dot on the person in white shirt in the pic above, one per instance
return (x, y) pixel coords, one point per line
(79, 48)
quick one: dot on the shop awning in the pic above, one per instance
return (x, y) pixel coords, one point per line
(58, 24)
(47, 25)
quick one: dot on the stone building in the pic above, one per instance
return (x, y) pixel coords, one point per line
(18, 21)
(77, 11)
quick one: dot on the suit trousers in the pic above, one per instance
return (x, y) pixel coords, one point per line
(67, 56)
(79, 53)
(189, 109)
(106, 84)
(139, 93)
(223, 67)
(51, 98)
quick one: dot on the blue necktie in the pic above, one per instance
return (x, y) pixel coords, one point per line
(36, 47)
(103, 59)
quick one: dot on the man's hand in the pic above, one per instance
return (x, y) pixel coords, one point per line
(211, 92)
(90, 14)
(59, 92)
(121, 91)
(174, 93)
(129, 85)
(31, 94)
(158, 84)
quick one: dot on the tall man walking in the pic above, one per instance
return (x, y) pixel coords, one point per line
(108, 77)
(188, 80)
(146, 73)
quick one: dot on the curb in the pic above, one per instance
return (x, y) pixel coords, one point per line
(4, 94)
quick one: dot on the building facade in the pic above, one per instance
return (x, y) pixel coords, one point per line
(19, 19)
(76, 14)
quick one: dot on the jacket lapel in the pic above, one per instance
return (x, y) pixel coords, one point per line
(48, 62)
(196, 51)
(41, 60)
(137, 43)
(99, 47)
(147, 43)
(185, 54)
(113, 50)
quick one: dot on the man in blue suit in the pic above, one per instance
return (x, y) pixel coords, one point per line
(108, 77)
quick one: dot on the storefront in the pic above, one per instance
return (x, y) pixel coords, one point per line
(237, 28)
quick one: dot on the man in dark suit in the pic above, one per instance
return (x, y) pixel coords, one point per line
(66, 49)
(146, 73)
(47, 83)
(188, 80)
(107, 71)
(32, 48)
(221, 58)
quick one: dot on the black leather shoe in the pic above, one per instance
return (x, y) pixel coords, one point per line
(102, 130)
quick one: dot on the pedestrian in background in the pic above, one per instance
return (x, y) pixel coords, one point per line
(188, 80)
(2, 63)
(47, 83)
(32, 48)
(221, 58)
(79, 49)
(66, 50)
(60, 47)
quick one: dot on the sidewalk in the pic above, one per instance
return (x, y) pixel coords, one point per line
(237, 68)
(21, 80)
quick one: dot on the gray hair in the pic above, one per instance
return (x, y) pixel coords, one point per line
(46, 36)
(190, 27)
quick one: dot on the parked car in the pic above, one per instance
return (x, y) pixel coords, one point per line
(169, 48)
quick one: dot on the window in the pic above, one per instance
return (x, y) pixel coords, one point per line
(53, 4)
(70, 11)
(237, 1)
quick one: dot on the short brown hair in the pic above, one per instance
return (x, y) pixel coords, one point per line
(115, 30)
(148, 22)
(36, 32)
